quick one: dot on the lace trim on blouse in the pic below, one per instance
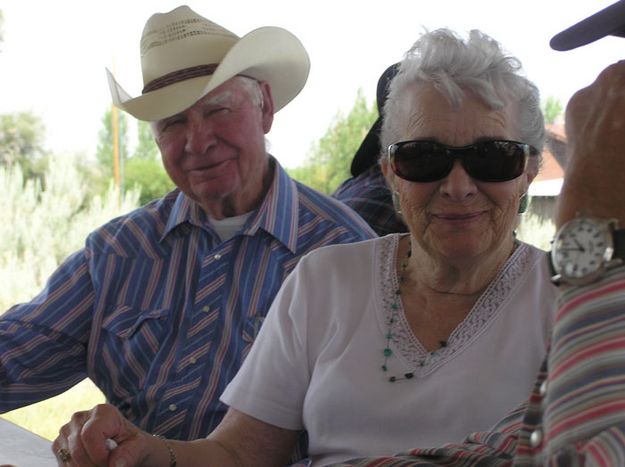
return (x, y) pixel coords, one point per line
(405, 344)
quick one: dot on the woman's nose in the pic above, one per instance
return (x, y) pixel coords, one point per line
(458, 184)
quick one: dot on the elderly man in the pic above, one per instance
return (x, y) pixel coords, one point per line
(161, 306)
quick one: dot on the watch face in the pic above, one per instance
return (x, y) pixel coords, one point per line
(581, 248)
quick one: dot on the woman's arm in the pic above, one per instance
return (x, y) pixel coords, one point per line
(238, 441)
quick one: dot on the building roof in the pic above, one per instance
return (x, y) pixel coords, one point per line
(549, 179)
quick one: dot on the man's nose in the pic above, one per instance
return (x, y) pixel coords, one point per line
(200, 135)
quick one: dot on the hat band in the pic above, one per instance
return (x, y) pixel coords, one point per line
(179, 75)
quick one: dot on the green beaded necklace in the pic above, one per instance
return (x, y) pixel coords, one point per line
(388, 352)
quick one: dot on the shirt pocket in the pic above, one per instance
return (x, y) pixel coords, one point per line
(132, 345)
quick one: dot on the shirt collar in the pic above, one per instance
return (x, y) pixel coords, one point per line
(278, 214)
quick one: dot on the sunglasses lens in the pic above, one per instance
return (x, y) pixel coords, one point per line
(495, 161)
(420, 161)
(486, 161)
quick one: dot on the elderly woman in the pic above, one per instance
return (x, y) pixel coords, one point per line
(409, 339)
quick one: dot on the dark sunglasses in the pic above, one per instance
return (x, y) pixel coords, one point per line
(486, 161)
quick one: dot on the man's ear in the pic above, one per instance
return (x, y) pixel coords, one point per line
(267, 108)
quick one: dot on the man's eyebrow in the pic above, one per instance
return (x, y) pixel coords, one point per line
(218, 99)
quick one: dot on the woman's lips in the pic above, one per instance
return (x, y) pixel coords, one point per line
(458, 218)
(459, 215)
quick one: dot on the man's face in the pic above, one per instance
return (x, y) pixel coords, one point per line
(215, 152)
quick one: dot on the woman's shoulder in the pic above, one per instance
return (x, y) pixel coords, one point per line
(349, 258)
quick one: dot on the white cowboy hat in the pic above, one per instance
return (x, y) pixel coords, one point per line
(184, 56)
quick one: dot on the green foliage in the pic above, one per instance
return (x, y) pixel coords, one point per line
(147, 176)
(329, 161)
(146, 146)
(21, 142)
(44, 222)
(535, 231)
(552, 109)
(104, 150)
(142, 171)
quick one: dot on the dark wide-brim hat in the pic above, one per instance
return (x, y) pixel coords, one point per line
(369, 150)
(184, 56)
(608, 22)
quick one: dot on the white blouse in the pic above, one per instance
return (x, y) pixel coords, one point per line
(316, 363)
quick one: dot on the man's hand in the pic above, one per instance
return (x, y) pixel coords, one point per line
(86, 440)
(594, 183)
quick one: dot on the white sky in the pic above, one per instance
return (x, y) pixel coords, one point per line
(54, 53)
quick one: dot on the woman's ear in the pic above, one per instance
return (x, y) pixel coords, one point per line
(531, 171)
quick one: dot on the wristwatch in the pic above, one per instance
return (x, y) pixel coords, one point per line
(584, 249)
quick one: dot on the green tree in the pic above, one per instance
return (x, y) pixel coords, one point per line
(327, 165)
(552, 109)
(144, 170)
(146, 146)
(21, 142)
(104, 150)
(148, 176)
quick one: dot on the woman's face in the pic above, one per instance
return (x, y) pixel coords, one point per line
(458, 217)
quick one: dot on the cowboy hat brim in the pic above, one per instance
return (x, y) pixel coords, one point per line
(609, 21)
(270, 54)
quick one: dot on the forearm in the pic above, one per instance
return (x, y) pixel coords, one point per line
(43, 342)
(584, 397)
(191, 453)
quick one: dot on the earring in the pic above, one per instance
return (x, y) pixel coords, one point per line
(396, 205)
(524, 202)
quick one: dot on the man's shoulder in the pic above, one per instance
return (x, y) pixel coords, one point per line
(134, 231)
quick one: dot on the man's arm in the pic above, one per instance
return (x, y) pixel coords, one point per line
(584, 412)
(42, 342)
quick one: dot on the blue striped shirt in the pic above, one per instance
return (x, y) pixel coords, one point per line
(160, 313)
(369, 195)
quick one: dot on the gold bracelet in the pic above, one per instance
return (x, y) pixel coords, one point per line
(172, 455)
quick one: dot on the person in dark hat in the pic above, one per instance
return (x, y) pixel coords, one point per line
(161, 306)
(366, 192)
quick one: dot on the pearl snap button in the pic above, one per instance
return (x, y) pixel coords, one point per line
(536, 438)
(172, 407)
